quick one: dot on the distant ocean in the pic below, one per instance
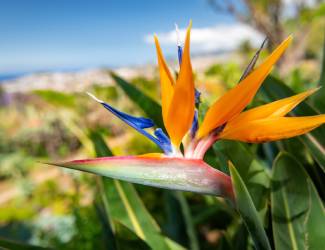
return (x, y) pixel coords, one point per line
(14, 75)
(11, 76)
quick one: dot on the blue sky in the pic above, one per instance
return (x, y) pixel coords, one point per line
(39, 35)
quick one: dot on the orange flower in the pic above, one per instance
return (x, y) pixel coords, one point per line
(225, 119)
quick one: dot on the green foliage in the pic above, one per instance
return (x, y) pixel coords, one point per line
(146, 145)
(8, 244)
(147, 86)
(106, 92)
(297, 209)
(228, 74)
(56, 98)
(149, 106)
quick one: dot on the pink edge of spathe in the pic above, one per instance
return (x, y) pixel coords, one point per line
(202, 173)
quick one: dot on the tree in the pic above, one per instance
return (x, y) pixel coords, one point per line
(276, 19)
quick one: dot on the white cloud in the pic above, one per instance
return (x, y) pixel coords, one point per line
(216, 38)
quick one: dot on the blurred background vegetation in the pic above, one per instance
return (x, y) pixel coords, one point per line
(62, 209)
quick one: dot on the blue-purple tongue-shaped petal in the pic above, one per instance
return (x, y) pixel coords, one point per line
(180, 53)
(164, 140)
(195, 124)
(139, 124)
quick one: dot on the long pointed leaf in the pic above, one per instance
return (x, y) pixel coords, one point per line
(101, 149)
(127, 239)
(10, 244)
(248, 211)
(194, 244)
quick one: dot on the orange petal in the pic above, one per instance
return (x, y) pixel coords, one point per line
(274, 109)
(166, 82)
(272, 129)
(151, 155)
(181, 110)
(235, 100)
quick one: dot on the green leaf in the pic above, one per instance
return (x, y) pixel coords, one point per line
(127, 239)
(124, 205)
(315, 140)
(174, 225)
(149, 106)
(194, 244)
(240, 238)
(109, 239)
(100, 147)
(289, 199)
(295, 147)
(13, 245)
(296, 207)
(248, 211)
(101, 150)
(315, 232)
(251, 170)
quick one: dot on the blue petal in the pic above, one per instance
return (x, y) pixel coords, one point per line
(164, 140)
(195, 124)
(135, 123)
(180, 54)
(139, 123)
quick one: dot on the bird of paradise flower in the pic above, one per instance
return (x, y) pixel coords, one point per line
(226, 119)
